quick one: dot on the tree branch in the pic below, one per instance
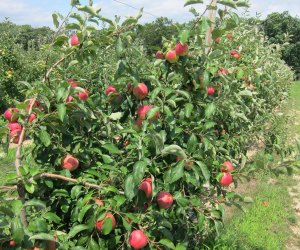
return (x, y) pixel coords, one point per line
(64, 178)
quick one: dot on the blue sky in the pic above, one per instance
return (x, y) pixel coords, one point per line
(38, 12)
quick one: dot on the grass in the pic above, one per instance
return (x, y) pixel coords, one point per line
(265, 224)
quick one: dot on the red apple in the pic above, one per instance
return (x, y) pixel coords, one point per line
(146, 186)
(229, 36)
(227, 166)
(99, 202)
(237, 56)
(74, 85)
(14, 126)
(15, 136)
(83, 95)
(137, 239)
(8, 114)
(74, 40)
(181, 50)
(99, 223)
(218, 40)
(69, 99)
(140, 91)
(164, 200)
(130, 87)
(226, 179)
(210, 91)
(139, 122)
(12, 243)
(187, 164)
(222, 71)
(32, 117)
(171, 56)
(70, 162)
(159, 55)
(110, 89)
(72, 80)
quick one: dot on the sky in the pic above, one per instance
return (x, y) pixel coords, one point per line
(39, 12)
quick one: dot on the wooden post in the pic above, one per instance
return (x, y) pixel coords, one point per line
(212, 18)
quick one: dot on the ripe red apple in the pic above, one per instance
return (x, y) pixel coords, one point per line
(210, 91)
(237, 55)
(226, 179)
(181, 50)
(99, 202)
(12, 243)
(222, 71)
(171, 56)
(70, 162)
(99, 223)
(74, 40)
(139, 122)
(8, 114)
(159, 55)
(146, 186)
(140, 91)
(218, 40)
(229, 36)
(227, 166)
(35, 105)
(72, 80)
(15, 136)
(164, 200)
(137, 239)
(83, 95)
(69, 99)
(110, 89)
(32, 117)
(14, 126)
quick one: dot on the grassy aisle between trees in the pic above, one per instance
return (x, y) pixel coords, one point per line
(268, 221)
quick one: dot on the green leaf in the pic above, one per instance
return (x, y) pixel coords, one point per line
(227, 3)
(17, 230)
(242, 4)
(192, 144)
(83, 212)
(177, 172)
(52, 217)
(116, 116)
(73, 26)
(72, 63)
(119, 47)
(35, 203)
(188, 108)
(77, 229)
(167, 243)
(88, 9)
(152, 112)
(130, 190)
(204, 170)
(107, 226)
(215, 54)
(74, 2)
(55, 20)
(111, 148)
(61, 109)
(206, 78)
(210, 110)
(42, 236)
(139, 169)
(174, 150)
(189, 2)
(245, 93)
(184, 36)
(60, 40)
(180, 247)
(29, 188)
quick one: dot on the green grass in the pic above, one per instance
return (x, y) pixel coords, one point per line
(265, 224)
(295, 94)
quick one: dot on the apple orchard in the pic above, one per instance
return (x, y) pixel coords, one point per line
(131, 151)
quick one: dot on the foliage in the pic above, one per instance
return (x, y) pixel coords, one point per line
(17, 64)
(282, 28)
(181, 149)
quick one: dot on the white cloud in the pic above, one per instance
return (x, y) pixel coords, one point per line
(21, 12)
